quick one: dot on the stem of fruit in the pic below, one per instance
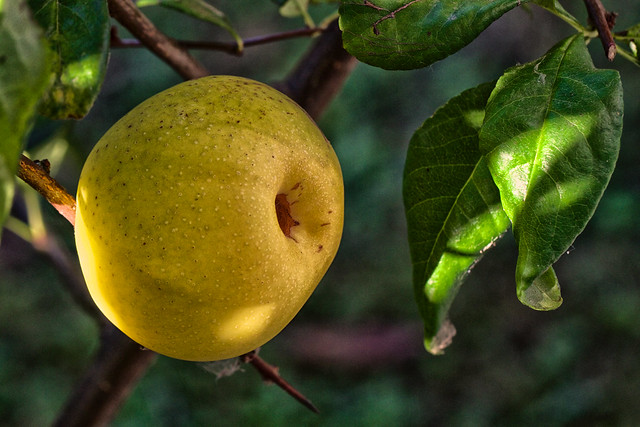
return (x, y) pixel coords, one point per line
(270, 373)
(167, 49)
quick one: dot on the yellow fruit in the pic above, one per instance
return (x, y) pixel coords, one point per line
(207, 216)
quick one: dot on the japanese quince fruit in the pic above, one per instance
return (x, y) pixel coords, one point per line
(207, 216)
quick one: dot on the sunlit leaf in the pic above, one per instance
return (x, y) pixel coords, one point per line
(452, 206)
(78, 35)
(409, 34)
(551, 136)
(199, 9)
(23, 76)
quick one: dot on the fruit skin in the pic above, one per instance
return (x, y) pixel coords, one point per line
(176, 225)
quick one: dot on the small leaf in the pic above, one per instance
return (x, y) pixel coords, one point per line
(409, 34)
(631, 33)
(23, 76)
(631, 37)
(78, 35)
(292, 8)
(198, 9)
(452, 206)
(295, 8)
(551, 136)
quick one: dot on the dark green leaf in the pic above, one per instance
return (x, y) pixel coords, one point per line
(23, 76)
(409, 34)
(78, 34)
(199, 9)
(452, 206)
(551, 136)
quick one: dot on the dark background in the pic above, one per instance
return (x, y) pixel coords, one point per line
(356, 348)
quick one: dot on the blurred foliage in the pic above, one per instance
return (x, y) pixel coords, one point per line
(508, 365)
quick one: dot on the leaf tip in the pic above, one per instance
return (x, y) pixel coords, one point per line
(441, 340)
(544, 292)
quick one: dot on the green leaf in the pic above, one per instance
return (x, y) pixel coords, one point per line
(23, 76)
(78, 35)
(452, 206)
(295, 8)
(198, 9)
(403, 34)
(556, 8)
(551, 136)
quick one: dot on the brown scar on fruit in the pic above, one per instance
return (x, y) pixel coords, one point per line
(324, 224)
(319, 248)
(283, 212)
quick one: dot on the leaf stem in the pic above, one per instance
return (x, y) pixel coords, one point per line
(603, 22)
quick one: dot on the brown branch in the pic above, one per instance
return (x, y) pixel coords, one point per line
(603, 22)
(37, 176)
(70, 273)
(127, 14)
(271, 373)
(320, 74)
(115, 372)
(229, 47)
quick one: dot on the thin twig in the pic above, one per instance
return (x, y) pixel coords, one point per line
(599, 16)
(127, 14)
(38, 178)
(228, 47)
(271, 373)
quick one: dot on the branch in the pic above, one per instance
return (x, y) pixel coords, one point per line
(118, 367)
(167, 49)
(70, 273)
(229, 47)
(603, 22)
(37, 176)
(320, 74)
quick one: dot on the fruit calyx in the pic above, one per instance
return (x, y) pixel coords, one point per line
(283, 212)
